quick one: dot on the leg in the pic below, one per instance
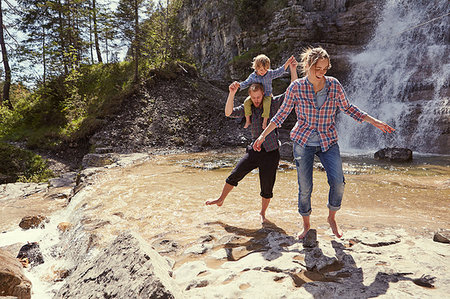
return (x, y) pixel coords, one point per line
(266, 110)
(304, 161)
(268, 164)
(226, 189)
(244, 166)
(331, 161)
(247, 111)
(306, 227)
(264, 205)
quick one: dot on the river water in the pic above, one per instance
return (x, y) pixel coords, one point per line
(163, 199)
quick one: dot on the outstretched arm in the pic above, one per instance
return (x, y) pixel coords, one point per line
(230, 100)
(293, 69)
(288, 62)
(378, 124)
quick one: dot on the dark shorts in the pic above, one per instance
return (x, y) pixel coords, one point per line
(267, 162)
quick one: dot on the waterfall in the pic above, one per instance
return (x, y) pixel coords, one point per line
(402, 77)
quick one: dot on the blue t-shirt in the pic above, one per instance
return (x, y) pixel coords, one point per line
(319, 98)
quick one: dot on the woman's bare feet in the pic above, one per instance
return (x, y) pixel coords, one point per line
(334, 227)
(305, 231)
(218, 202)
(306, 227)
(247, 124)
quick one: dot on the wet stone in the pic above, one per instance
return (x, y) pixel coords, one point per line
(442, 236)
(310, 239)
(30, 254)
(33, 222)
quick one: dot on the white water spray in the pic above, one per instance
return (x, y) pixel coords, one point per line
(402, 77)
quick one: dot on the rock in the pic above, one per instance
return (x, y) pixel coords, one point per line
(64, 226)
(286, 151)
(30, 254)
(33, 222)
(394, 154)
(442, 236)
(67, 179)
(310, 240)
(98, 160)
(12, 279)
(127, 268)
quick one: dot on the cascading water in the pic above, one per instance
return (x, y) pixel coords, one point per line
(402, 77)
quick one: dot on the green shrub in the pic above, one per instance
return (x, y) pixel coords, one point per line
(22, 165)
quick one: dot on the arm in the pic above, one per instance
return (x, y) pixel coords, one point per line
(248, 81)
(289, 61)
(293, 69)
(230, 100)
(378, 124)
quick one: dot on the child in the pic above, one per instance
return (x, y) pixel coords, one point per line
(264, 75)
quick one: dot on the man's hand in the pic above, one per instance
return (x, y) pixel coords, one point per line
(234, 87)
(258, 142)
(288, 62)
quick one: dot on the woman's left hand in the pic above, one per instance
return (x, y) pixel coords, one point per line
(382, 126)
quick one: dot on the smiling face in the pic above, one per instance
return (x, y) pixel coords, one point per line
(261, 70)
(317, 71)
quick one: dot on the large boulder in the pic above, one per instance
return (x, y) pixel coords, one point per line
(12, 279)
(128, 268)
(394, 154)
(36, 221)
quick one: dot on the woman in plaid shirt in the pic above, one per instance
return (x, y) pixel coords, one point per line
(316, 99)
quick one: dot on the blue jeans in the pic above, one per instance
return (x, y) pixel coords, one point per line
(331, 161)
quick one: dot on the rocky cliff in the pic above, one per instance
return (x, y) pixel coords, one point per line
(226, 34)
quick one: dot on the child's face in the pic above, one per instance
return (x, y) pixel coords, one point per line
(261, 70)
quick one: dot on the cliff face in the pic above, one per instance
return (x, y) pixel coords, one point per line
(226, 34)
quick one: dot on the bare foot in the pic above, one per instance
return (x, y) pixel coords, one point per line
(334, 227)
(263, 218)
(247, 124)
(218, 202)
(305, 231)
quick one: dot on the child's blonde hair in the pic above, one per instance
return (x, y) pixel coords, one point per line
(310, 56)
(261, 61)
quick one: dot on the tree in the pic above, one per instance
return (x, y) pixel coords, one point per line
(7, 84)
(127, 20)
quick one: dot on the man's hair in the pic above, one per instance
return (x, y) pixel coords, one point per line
(261, 61)
(255, 87)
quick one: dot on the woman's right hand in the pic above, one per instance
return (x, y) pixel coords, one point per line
(258, 142)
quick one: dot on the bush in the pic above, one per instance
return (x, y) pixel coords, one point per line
(22, 165)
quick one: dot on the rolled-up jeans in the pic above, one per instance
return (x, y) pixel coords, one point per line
(331, 161)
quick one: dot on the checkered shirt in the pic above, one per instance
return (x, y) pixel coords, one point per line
(265, 80)
(271, 141)
(300, 94)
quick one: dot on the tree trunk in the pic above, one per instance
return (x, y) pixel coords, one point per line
(136, 41)
(7, 84)
(97, 46)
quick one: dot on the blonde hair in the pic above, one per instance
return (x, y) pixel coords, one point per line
(261, 61)
(310, 56)
(255, 87)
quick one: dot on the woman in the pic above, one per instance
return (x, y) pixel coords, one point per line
(316, 99)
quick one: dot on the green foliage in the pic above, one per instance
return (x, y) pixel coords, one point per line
(22, 165)
(67, 108)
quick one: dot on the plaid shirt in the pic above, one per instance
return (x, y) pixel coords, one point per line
(265, 80)
(309, 117)
(271, 142)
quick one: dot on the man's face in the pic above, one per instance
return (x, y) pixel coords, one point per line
(257, 97)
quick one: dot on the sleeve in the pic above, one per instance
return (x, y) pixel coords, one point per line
(249, 81)
(237, 112)
(346, 106)
(276, 73)
(287, 106)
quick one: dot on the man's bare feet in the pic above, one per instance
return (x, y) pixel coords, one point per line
(218, 202)
(263, 218)
(247, 124)
(334, 227)
(305, 231)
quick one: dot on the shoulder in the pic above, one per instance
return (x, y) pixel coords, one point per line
(332, 81)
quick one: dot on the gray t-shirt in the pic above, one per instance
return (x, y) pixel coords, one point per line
(319, 98)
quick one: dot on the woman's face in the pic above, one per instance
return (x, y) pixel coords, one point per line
(318, 70)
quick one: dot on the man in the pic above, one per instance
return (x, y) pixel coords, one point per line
(265, 160)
